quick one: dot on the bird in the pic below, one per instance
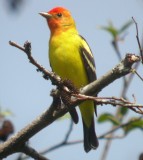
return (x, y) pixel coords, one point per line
(71, 58)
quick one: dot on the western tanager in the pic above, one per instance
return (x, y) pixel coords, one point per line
(71, 58)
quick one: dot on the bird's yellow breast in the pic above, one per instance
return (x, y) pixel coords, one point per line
(66, 60)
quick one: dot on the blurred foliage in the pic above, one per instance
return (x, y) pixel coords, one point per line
(134, 123)
(130, 125)
(5, 113)
(14, 5)
(122, 111)
(141, 156)
(115, 33)
(108, 117)
(6, 126)
(6, 129)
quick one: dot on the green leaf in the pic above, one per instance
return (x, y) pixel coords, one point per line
(111, 29)
(115, 32)
(134, 123)
(125, 26)
(123, 111)
(108, 117)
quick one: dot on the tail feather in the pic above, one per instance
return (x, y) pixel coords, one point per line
(90, 138)
(95, 109)
(74, 115)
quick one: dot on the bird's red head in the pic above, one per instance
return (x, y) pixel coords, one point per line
(58, 19)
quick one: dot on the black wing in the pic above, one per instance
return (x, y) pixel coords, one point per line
(89, 63)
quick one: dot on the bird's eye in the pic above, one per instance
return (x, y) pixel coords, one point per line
(59, 14)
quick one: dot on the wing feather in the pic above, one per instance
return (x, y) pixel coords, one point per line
(89, 63)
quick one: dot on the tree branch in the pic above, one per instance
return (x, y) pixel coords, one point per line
(126, 84)
(33, 153)
(114, 101)
(138, 41)
(16, 142)
(120, 70)
(105, 135)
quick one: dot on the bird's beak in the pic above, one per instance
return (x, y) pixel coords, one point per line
(45, 14)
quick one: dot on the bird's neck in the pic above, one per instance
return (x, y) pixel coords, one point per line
(66, 29)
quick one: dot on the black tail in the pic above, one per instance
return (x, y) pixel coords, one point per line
(90, 138)
(74, 115)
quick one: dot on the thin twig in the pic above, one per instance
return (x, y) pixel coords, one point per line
(115, 46)
(68, 132)
(114, 101)
(103, 136)
(138, 75)
(115, 137)
(46, 74)
(17, 46)
(33, 153)
(127, 82)
(137, 37)
(119, 127)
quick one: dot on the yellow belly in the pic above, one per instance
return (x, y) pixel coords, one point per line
(66, 61)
